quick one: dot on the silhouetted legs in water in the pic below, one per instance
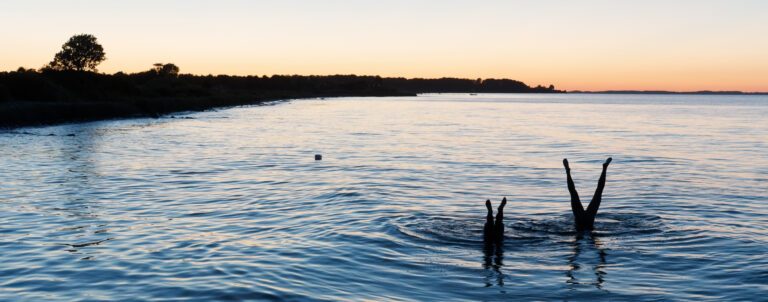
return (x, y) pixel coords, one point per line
(493, 246)
(585, 220)
(494, 231)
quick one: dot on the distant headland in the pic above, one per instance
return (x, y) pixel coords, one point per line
(70, 89)
(31, 97)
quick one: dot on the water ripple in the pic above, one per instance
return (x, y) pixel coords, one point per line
(231, 205)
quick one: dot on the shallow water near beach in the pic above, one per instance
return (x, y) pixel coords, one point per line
(231, 205)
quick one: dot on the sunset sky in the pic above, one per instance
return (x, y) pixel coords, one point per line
(575, 45)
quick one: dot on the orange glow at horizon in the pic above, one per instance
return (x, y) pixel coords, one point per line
(591, 45)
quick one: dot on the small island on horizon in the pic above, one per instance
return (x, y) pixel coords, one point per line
(70, 89)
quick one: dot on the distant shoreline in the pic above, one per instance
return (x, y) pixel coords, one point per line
(15, 115)
(33, 98)
(49, 97)
(704, 92)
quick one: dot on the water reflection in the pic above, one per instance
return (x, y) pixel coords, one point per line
(588, 245)
(77, 153)
(493, 260)
(78, 208)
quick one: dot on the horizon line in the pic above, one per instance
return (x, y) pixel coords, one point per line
(596, 91)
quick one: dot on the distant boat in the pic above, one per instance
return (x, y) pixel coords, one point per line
(473, 94)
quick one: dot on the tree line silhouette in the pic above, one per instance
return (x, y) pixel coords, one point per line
(70, 88)
(446, 85)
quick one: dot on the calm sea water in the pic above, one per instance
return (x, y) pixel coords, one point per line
(231, 205)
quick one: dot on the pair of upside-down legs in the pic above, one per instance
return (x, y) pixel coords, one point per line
(583, 219)
(494, 231)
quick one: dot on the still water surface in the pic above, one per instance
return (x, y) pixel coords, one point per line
(231, 205)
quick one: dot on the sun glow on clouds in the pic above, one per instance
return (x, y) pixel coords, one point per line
(589, 45)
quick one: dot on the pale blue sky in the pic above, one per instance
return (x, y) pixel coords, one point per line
(679, 45)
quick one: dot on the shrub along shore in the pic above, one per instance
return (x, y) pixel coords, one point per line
(29, 97)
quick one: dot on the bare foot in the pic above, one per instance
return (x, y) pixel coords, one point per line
(503, 202)
(607, 162)
(488, 205)
(565, 163)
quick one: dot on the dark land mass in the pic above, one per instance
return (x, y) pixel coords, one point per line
(29, 97)
(703, 92)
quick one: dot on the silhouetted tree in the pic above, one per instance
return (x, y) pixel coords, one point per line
(80, 53)
(169, 69)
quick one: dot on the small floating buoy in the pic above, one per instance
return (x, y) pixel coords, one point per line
(318, 157)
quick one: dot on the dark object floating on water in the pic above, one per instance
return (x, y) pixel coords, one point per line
(318, 157)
